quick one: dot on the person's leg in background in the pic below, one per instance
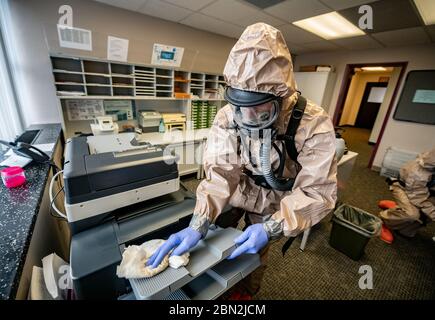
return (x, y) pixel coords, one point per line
(400, 215)
(386, 234)
(230, 218)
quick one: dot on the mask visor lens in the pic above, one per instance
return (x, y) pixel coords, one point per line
(257, 116)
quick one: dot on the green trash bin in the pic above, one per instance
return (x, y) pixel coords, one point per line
(352, 229)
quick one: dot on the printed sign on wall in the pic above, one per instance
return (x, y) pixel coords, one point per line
(117, 49)
(84, 109)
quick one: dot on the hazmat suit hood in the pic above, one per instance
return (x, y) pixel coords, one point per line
(261, 62)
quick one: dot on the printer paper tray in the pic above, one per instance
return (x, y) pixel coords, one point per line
(207, 275)
(218, 279)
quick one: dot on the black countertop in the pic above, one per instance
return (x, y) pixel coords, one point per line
(19, 208)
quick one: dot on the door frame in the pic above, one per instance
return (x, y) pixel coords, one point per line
(345, 84)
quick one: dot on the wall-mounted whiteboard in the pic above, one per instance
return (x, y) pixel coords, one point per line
(417, 100)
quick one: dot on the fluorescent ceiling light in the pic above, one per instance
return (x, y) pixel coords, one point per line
(426, 8)
(329, 26)
(374, 69)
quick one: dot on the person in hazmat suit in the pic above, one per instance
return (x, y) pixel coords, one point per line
(414, 195)
(246, 158)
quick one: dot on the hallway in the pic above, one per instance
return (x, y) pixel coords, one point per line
(365, 187)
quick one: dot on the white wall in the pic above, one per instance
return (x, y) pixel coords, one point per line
(404, 135)
(315, 85)
(33, 26)
(392, 83)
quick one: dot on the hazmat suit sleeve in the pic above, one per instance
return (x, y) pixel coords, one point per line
(222, 169)
(315, 190)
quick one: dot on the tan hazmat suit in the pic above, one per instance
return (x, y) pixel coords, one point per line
(260, 61)
(413, 197)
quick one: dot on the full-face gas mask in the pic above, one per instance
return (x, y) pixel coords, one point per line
(255, 113)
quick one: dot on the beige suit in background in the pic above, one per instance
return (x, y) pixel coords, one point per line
(414, 198)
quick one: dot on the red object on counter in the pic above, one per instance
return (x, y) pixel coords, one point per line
(13, 177)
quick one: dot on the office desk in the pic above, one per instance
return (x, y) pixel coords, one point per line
(344, 169)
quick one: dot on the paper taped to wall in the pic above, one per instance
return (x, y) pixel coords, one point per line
(117, 49)
(377, 95)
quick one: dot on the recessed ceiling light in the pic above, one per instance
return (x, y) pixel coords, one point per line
(426, 8)
(329, 26)
(374, 69)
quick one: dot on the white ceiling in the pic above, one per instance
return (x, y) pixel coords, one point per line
(296, 10)
(164, 10)
(193, 5)
(230, 17)
(199, 20)
(344, 4)
(401, 37)
(358, 43)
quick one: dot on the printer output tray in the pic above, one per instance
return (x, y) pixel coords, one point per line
(207, 275)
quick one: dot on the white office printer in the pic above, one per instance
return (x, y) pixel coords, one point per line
(149, 121)
(174, 121)
(121, 192)
(104, 126)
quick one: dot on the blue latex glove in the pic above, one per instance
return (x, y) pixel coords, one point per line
(252, 240)
(182, 241)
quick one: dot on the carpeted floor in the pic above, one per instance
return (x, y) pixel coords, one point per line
(403, 270)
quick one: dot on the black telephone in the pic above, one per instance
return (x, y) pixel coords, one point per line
(27, 150)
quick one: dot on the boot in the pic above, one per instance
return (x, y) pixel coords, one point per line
(387, 204)
(386, 235)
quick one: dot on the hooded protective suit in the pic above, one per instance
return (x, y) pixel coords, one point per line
(260, 61)
(414, 198)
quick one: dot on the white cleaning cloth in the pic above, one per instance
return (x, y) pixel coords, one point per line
(176, 262)
(134, 259)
